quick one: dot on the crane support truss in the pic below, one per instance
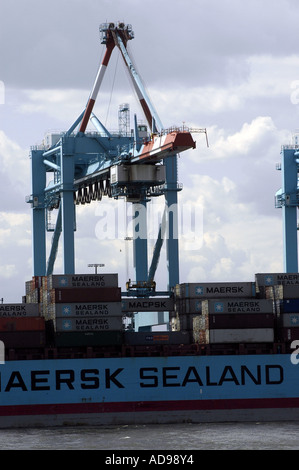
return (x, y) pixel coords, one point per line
(88, 165)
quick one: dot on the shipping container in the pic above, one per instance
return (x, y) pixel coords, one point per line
(242, 335)
(216, 290)
(93, 309)
(105, 294)
(290, 320)
(23, 339)
(288, 335)
(238, 306)
(149, 304)
(37, 281)
(201, 336)
(34, 296)
(81, 280)
(28, 287)
(22, 324)
(161, 337)
(88, 324)
(19, 310)
(273, 279)
(289, 306)
(282, 292)
(245, 320)
(200, 322)
(185, 322)
(91, 338)
(188, 305)
(174, 323)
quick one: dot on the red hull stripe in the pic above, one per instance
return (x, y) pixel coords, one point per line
(158, 406)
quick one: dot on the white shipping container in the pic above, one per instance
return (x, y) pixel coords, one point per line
(19, 310)
(91, 309)
(88, 324)
(81, 280)
(216, 290)
(248, 335)
(238, 306)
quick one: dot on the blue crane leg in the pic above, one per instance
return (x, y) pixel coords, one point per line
(68, 212)
(38, 213)
(289, 189)
(172, 242)
(140, 241)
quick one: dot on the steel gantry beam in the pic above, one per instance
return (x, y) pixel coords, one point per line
(85, 166)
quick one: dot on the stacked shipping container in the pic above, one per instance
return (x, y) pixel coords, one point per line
(80, 308)
(86, 310)
(226, 313)
(247, 320)
(283, 288)
(21, 326)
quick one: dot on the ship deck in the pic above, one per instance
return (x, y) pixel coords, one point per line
(158, 350)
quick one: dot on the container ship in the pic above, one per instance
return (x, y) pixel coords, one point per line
(230, 354)
(70, 352)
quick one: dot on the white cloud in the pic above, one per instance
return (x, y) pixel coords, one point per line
(59, 104)
(270, 75)
(11, 154)
(15, 245)
(14, 173)
(249, 138)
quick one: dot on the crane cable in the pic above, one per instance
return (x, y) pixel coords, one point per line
(112, 89)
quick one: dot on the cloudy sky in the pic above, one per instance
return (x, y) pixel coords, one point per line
(229, 66)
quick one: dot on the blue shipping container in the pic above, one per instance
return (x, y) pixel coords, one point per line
(289, 306)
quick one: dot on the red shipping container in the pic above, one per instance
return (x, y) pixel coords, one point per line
(288, 334)
(22, 324)
(23, 339)
(104, 294)
(244, 320)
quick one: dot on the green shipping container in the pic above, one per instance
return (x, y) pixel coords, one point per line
(92, 338)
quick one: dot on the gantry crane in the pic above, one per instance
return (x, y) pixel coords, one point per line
(84, 166)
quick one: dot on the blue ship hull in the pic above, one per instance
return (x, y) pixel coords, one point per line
(55, 392)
